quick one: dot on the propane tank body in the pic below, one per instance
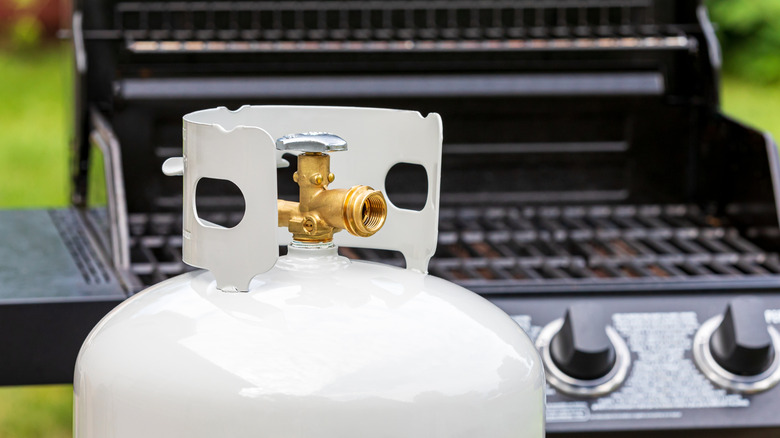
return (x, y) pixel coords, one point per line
(317, 346)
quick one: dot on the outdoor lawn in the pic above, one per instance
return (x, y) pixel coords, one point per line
(35, 118)
(34, 123)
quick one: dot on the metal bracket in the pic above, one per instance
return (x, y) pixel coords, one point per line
(238, 146)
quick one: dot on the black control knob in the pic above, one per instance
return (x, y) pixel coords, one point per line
(741, 344)
(581, 348)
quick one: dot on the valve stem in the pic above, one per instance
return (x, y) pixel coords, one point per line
(321, 212)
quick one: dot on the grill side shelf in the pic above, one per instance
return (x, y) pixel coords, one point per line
(54, 287)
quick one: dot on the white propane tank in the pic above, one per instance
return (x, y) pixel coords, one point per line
(311, 344)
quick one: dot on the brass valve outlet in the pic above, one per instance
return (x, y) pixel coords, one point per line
(321, 212)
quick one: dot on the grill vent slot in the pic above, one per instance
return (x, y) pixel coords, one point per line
(70, 228)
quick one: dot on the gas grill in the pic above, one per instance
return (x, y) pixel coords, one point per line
(585, 163)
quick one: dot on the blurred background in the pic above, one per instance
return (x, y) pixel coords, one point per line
(35, 111)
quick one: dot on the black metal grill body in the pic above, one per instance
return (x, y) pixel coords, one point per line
(585, 158)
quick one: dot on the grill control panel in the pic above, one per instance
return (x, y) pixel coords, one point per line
(673, 361)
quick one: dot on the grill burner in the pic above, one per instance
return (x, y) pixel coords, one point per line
(529, 249)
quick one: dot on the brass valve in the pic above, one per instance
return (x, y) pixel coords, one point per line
(321, 212)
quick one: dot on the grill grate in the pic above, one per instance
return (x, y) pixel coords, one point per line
(510, 247)
(383, 20)
(386, 25)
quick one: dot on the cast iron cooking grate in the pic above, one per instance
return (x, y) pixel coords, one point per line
(513, 248)
(599, 244)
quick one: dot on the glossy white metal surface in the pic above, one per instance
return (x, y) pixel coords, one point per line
(244, 154)
(320, 347)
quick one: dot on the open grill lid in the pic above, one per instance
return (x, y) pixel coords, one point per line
(578, 77)
(142, 50)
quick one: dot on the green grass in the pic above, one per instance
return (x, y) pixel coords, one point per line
(35, 109)
(757, 105)
(34, 127)
(36, 412)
